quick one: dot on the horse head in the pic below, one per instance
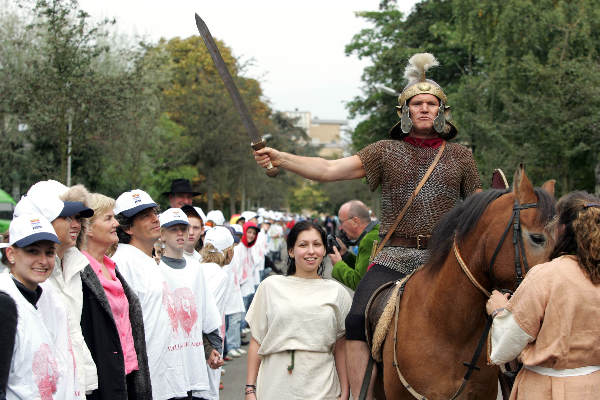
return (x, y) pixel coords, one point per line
(512, 234)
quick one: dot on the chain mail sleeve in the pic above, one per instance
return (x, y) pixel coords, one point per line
(470, 181)
(371, 158)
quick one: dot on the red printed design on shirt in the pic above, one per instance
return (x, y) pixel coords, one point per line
(222, 330)
(45, 370)
(181, 307)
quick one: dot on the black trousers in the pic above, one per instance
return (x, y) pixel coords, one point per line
(374, 278)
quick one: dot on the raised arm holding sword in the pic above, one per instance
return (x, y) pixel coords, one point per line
(418, 141)
(421, 174)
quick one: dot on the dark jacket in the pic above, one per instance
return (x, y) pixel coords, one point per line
(102, 338)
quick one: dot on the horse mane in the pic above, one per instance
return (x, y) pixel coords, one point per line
(464, 216)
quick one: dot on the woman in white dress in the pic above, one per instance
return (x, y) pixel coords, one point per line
(297, 326)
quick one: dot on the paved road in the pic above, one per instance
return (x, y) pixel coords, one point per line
(234, 379)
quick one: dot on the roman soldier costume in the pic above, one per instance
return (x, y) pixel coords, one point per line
(398, 166)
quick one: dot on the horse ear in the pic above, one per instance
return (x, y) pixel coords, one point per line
(522, 187)
(548, 186)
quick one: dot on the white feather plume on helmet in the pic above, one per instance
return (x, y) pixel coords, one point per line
(417, 66)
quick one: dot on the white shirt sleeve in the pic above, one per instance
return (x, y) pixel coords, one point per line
(508, 339)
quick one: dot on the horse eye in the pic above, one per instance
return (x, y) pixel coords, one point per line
(537, 239)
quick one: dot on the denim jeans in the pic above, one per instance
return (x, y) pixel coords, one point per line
(247, 302)
(264, 273)
(233, 332)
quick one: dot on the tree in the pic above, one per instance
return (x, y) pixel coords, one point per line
(196, 99)
(522, 78)
(388, 45)
(537, 95)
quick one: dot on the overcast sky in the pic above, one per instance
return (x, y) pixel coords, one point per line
(297, 47)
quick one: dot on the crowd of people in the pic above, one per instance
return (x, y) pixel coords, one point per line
(111, 299)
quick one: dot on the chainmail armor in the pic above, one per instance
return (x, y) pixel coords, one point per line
(398, 167)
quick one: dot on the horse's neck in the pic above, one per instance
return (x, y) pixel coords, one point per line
(455, 300)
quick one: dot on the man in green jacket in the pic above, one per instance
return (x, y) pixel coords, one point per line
(355, 221)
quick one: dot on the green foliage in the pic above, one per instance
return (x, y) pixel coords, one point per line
(307, 197)
(522, 78)
(137, 115)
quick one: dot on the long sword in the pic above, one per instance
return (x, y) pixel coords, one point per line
(256, 141)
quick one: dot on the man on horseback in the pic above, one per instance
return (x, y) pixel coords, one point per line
(422, 176)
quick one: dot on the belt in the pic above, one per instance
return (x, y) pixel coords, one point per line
(418, 242)
(563, 372)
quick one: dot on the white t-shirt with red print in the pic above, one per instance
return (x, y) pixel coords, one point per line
(42, 365)
(246, 261)
(192, 311)
(234, 303)
(145, 278)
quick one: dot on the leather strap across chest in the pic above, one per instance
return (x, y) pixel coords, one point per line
(392, 228)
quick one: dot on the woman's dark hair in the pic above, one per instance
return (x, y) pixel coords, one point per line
(579, 215)
(4, 239)
(293, 237)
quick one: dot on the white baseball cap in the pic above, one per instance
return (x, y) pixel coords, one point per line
(248, 215)
(201, 214)
(46, 187)
(50, 209)
(132, 202)
(173, 216)
(196, 210)
(238, 229)
(216, 216)
(219, 237)
(30, 228)
(43, 198)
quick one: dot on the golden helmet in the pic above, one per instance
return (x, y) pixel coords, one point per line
(418, 83)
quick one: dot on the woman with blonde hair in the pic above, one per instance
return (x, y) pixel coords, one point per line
(111, 321)
(551, 321)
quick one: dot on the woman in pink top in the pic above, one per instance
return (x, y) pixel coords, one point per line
(111, 320)
(552, 320)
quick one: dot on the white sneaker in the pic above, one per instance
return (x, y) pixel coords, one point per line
(241, 351)
(234, 353)
(222, 371)
(245, 331)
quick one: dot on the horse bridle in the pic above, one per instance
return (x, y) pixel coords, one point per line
(519, 246)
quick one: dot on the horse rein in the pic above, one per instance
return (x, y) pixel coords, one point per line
(515, 222)
(519, 246)
(466, 270)
(470, 366)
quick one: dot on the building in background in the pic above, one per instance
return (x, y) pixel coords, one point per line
(332, 135)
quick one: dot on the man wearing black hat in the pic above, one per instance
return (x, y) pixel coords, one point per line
(181, 193)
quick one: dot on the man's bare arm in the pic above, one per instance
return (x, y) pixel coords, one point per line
(313, 168)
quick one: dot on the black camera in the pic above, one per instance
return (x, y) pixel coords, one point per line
(331, 242)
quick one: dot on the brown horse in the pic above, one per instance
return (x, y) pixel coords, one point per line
(442, 314)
